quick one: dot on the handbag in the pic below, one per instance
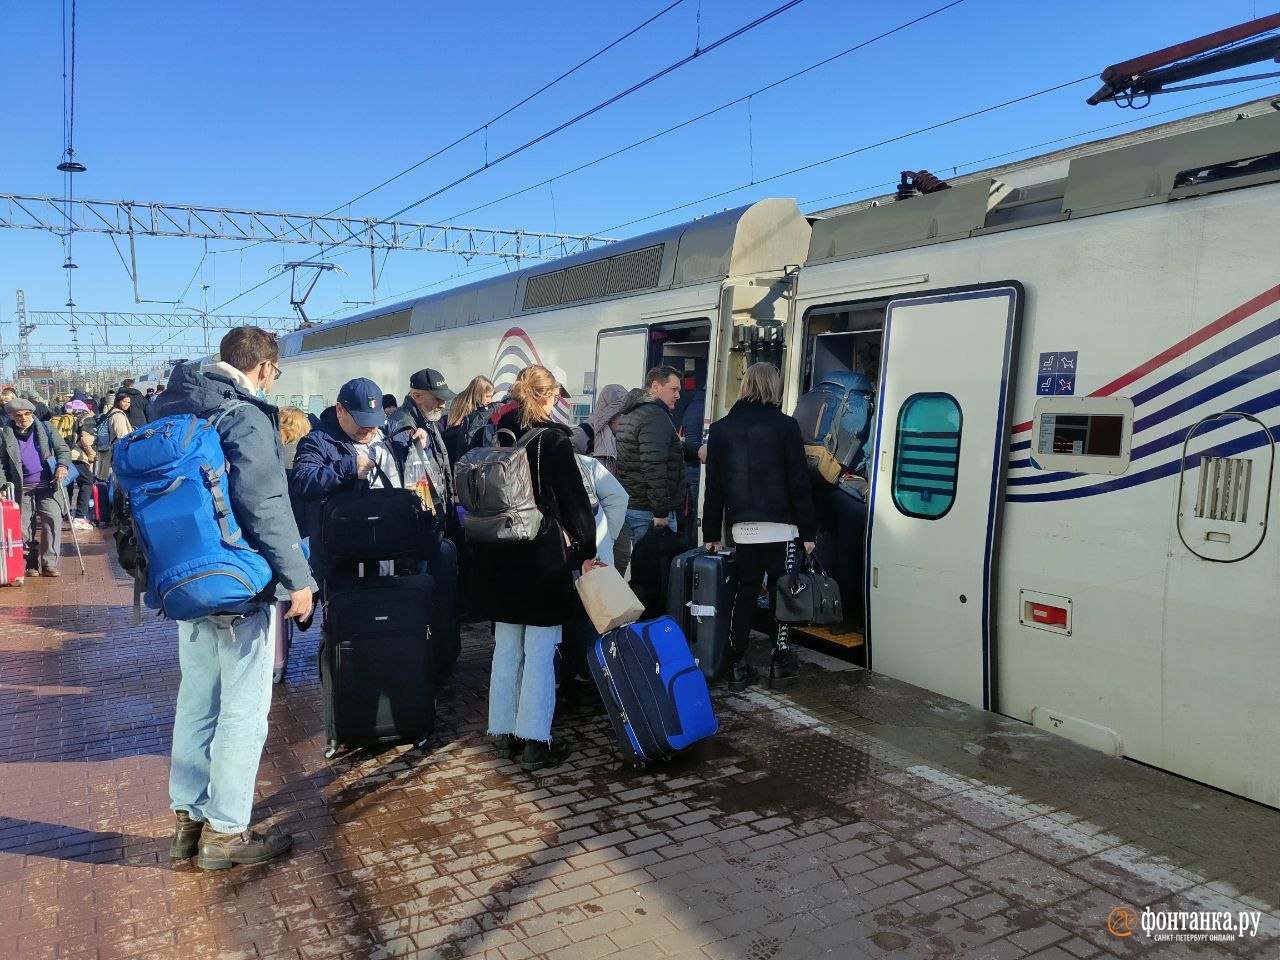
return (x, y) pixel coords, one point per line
(607, 599)
(807, 596)
(384, 523)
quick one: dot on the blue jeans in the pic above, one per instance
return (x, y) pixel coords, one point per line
(640, 522)
(522, 684)
(221, 720)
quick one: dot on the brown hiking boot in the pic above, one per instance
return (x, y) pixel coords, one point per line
(186, 838)
(218, 851)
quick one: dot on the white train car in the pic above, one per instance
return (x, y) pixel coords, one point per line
(1078, 368)
(600, 317)
(1079, 397)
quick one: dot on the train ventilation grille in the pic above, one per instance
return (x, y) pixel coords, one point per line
(1224, 488)
(627, 272)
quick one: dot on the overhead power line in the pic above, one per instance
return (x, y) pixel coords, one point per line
(494, 119)
(857, 150)
(559, 128)
(746, 97)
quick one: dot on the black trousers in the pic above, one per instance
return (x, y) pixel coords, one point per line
(82, 480)
(754, 560)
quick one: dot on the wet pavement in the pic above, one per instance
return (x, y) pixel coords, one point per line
(851, 817)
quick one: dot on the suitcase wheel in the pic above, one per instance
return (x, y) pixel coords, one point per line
(332, 752)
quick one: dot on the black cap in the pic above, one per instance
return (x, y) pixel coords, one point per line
(433, 382)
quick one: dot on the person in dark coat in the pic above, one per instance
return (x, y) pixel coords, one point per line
(423, 409)
(527, 585)
(341, 455)
(140, 409)
(650, 458)
(758, 484)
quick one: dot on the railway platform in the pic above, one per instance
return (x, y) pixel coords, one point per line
(851, 816)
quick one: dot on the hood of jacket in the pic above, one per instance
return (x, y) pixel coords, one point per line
(638, 397)
(192, 390)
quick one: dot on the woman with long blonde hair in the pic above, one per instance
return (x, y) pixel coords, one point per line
(529, 583)
(467, 412)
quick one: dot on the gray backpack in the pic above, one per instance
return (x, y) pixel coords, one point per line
(495, 488)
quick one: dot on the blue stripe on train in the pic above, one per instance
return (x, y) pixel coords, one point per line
(1229, 448)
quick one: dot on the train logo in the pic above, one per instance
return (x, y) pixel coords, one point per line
(515, 352)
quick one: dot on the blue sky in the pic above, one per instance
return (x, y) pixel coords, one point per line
(301, 107)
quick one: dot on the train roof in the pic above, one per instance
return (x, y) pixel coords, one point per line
(745, 240)
(1221, 150)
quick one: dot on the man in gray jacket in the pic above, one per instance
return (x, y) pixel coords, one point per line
(220, 724)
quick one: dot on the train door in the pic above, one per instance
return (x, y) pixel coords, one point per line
(937, 485)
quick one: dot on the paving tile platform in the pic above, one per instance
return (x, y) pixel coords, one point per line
(852, 816)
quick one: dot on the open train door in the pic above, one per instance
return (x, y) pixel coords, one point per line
(937, 488)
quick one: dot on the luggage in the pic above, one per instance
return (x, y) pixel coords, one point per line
(807, 596)
(13, 567)
(495, 487)
(384, 523)
(65, 424)
(445, 621)
(197, 561)
(282, 634)
(377, 662)
(102, 435)
(700, 598)
(101, 501)
(842, 523)
(651, 566)
(835, 421)
(656, 696)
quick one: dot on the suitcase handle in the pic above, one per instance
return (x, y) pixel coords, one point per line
(7, 492)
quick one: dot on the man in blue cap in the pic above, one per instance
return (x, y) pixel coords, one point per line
(348, 449)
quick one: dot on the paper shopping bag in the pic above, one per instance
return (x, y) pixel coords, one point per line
(608, 600)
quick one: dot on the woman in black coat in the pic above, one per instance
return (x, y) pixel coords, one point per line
(526, 586)
(758, 483)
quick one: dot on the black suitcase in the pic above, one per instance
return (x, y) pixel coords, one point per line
(377, 662)
(700, 597)
(446, 624)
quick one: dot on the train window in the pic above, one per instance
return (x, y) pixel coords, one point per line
(926, 462)
(1083, 434)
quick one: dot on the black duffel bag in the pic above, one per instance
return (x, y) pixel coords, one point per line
(807, 596)
(368, 524)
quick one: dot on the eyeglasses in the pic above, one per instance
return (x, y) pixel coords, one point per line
(276, 367)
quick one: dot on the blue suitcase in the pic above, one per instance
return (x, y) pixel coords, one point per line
(656, 696)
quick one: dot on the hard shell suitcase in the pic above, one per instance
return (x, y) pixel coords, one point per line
(13, 568)
(101, 501)
(656, 696)
(377, 665)
(700, 600)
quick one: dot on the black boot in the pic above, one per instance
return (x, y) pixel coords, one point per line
(511, 745)
(742, 675)
(783, 668)
(538, 754)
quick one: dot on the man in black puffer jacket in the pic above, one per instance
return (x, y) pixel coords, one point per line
(650, 457)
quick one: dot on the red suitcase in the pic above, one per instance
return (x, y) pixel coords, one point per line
(13, 568)
(101, 501)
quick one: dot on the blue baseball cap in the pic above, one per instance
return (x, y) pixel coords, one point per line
(362, 398)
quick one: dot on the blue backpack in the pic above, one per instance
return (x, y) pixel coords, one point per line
(191, 548)
(835, 423)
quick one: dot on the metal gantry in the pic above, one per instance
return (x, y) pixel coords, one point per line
(137, 218)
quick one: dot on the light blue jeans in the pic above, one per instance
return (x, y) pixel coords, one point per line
(522, 683)
(221, 720)
(640, 522)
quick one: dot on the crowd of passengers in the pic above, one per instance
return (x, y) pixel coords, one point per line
(640, 450)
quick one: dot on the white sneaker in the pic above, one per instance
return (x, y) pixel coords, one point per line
(81, 524)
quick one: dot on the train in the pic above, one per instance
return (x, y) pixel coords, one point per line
(1077, 368)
